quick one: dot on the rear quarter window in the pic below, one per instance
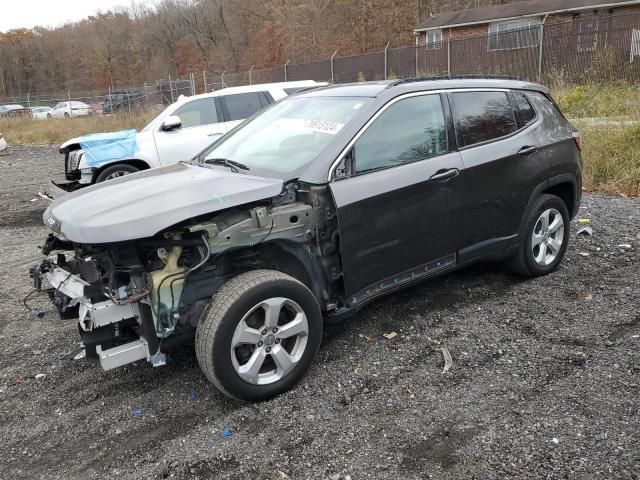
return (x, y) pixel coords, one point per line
(525, 114)
(481, 116)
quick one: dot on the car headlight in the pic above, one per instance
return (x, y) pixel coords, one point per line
(74, 159)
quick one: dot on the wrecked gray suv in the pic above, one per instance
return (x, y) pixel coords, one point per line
(305, 213)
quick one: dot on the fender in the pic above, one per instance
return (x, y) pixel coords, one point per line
(570, 178)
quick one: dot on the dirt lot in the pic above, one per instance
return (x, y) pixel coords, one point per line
(545, 379)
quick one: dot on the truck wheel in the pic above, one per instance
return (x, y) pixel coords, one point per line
(544, 238)
(258, 335)
(116, 171)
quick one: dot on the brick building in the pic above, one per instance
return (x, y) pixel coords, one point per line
(537, 36)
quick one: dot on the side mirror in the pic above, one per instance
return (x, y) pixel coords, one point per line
(172, 122)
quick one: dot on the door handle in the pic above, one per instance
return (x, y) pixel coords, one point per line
(445, 175)
(527, 150)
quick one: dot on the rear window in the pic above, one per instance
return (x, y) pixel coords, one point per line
(242, 105)
(482, 116)
(525, 113)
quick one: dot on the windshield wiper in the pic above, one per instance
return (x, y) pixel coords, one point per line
(234, 166)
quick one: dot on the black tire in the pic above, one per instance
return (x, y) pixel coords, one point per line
(224, 313)
(49, 116)
(66, 115)
(523, 262)
(119, 168)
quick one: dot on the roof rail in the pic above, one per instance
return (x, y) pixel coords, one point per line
(452, 77)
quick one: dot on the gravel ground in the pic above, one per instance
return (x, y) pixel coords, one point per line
(544, 383)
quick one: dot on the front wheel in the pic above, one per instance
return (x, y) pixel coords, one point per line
(259, 335)
(116, 171)
(543, 239)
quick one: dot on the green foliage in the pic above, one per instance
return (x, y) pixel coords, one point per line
(605, 100)
(611, 159)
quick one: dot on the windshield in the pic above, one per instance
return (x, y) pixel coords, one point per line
(286, 137)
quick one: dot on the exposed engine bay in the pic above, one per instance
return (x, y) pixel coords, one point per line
(136, 300)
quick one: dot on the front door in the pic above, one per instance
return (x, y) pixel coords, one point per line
(202, 124)
(398, 212)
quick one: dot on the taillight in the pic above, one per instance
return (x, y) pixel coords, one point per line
(578, 139)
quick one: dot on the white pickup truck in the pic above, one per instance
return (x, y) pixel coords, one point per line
(181, 131)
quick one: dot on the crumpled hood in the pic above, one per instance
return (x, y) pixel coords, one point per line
(142, 204)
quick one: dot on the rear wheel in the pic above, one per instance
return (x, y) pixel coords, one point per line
(544, 238)
(259, 335)
(66, 115)
(116, 171)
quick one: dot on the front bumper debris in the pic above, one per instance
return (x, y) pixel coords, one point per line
(55, 190)
(95, 318)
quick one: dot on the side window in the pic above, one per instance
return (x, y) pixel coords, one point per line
(198, 112)
(481, 116)
(410, 130)
(525, 113)
(242, 105)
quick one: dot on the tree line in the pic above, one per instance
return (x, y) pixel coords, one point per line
(144, 43)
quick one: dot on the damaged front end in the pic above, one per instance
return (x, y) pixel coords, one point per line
(126, 297)
(137, 299)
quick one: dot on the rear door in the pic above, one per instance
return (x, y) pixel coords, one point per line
(240, 106)
(503, 159)
(398, 211)
(201, 125)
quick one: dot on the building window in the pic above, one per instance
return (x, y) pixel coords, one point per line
(434, 39)
(514, 34)
(635, 44)
(588, 34)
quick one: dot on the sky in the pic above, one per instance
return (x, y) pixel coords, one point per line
(50, 13)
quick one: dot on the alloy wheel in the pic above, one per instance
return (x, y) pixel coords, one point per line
(547, 237)
(269, 341)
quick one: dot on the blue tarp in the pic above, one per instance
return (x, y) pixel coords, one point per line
(100, 148)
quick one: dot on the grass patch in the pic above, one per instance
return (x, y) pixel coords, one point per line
(27, 131)
(597, 101)
(611, 159)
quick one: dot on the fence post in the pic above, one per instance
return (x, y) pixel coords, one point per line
(285, 70)
(171, 89)
(204, 80)
(222, 79)
(417, 48)
(28, 101)
(250, 79)
(386, 49)
(540, 53)
(332, 57)
(449, 55)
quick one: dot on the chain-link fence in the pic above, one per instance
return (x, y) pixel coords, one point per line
(582, 50)
(113, 99)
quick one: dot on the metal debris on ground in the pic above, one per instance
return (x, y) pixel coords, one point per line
(448, 361)
(624, 245)
(39, 376)
(584, 254)
(365, 337)
(227, 432)
(390, 335)
(37, 313)
(137, 411)
(583, 221)
(585, 231)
